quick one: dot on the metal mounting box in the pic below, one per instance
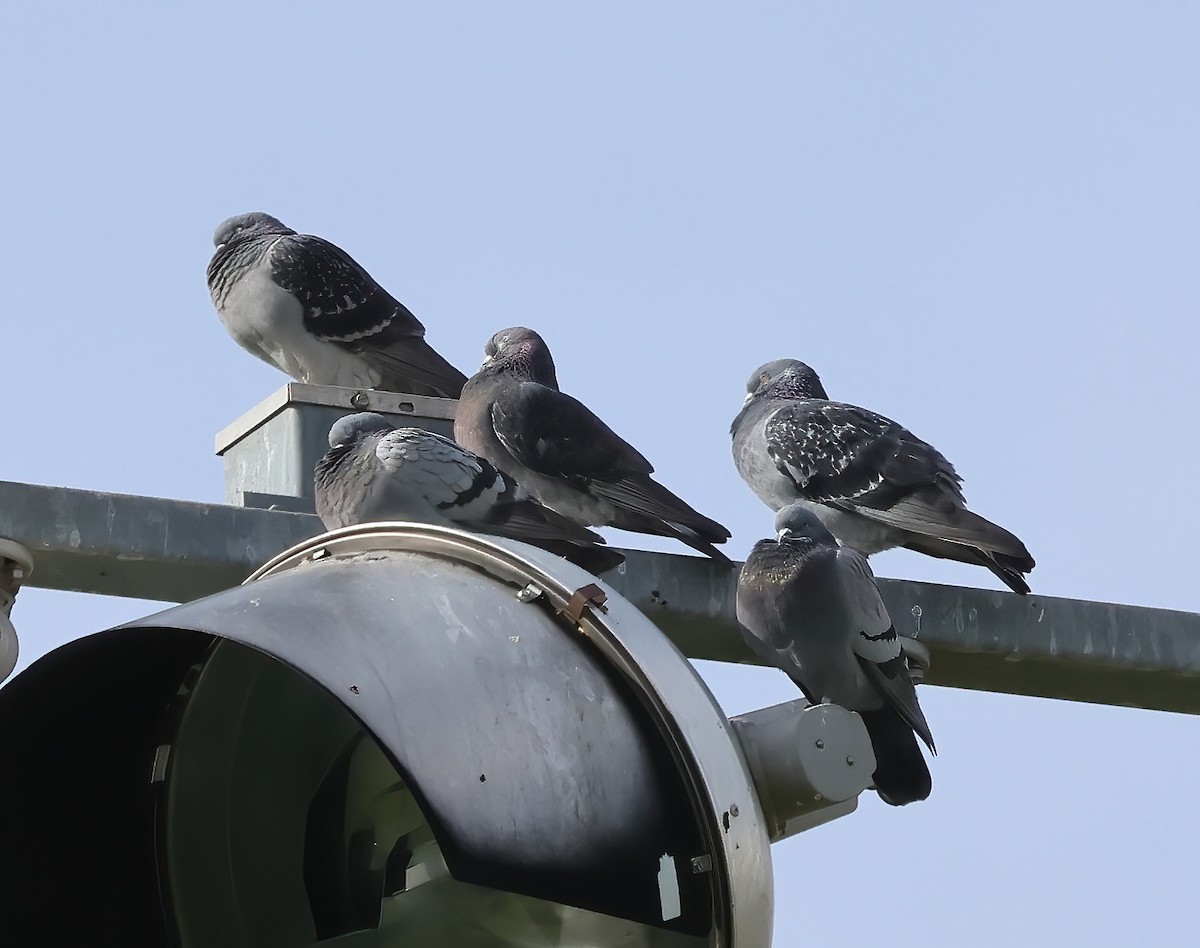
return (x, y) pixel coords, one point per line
(270, 451)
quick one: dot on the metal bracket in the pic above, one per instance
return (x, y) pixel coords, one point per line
(530, 592)
(919, 659)
(16, 563)
(584, 596)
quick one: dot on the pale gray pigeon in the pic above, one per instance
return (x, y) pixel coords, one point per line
(874, 484)
(512, 413)
(303, 305)
(374, 471)
(810, 607)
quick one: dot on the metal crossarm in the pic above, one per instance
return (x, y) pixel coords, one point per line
(176, 551)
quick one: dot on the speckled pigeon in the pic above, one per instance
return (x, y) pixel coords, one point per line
(374, 471)
(809, 606)
(512, 413)
(874, 484)
(304, 305)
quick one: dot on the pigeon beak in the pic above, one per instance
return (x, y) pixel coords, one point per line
(746, 400)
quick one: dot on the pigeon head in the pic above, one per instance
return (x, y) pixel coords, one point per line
(798, 522)
(350, 428)
(521, 352)
(785, 378)
(244, 226)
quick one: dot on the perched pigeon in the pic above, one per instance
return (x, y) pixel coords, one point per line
(374, 471)
(303, 305)
(873, 483)
(811, 607)
(512, 413)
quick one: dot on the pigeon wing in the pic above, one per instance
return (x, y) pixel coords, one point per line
(467, 490)
(877, 646)
(841, 455)
(555, 435)
(459, 484)
(342, 302)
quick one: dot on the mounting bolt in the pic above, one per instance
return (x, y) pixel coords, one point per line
(529, 593)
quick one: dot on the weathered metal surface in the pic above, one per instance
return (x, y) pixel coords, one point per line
(982, 639)
(696, 730)
(809, 762)
(272, 449)
(175, 551)
(142, 547)
(590, 756)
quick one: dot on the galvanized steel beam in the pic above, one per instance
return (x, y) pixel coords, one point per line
(175, 551)
(982, 639)
(142, 547)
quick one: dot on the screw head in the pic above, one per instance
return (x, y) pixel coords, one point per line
(529, 593)
(820, 744)
(849, 760)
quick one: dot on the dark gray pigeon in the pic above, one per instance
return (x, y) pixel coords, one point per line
(374, 471)
(512, 413)
(874, 484)
(303, 305)
(810, 607)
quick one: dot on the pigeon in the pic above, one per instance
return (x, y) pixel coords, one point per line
(303, 305)
(810, 607)
(873, 483)
(375, 471)
(512, 413)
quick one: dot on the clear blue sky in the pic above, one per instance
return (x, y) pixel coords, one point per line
(979, 219)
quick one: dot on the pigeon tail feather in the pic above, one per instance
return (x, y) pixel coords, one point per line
(901, 694)
(594, 559)
(703, 546)
(524, 519)
(932, 514)
(645, 495)
(901, 774)
(639, 522)
(1009, 570)
(412, 360)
